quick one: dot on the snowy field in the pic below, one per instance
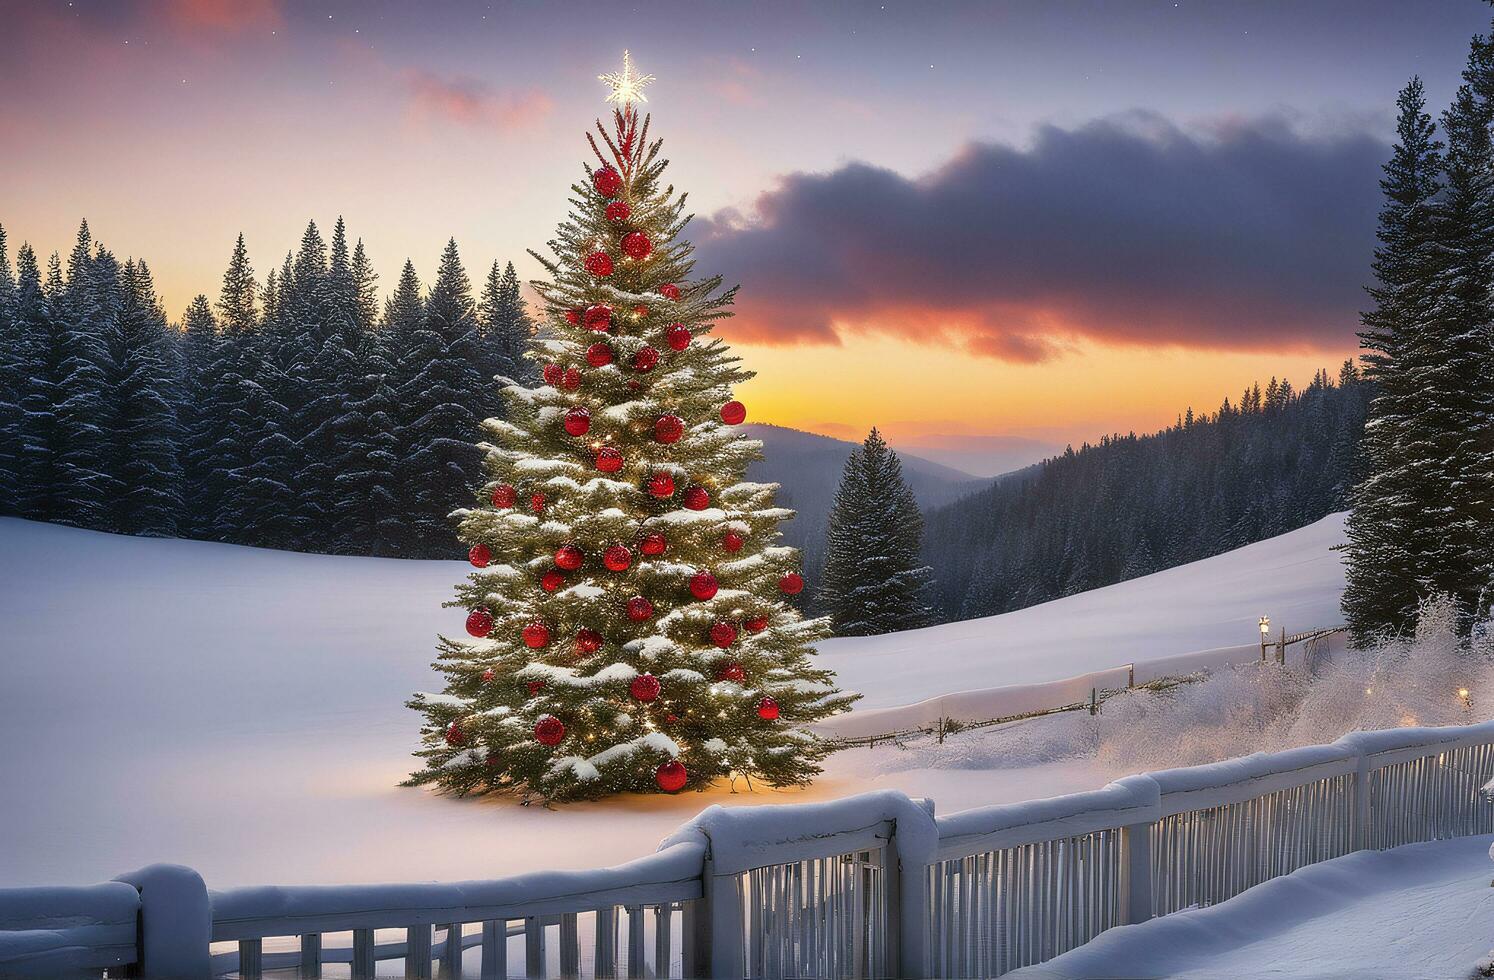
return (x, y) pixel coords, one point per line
(241, 711)
(1419, 911)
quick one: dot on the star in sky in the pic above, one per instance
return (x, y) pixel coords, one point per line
(627, 87)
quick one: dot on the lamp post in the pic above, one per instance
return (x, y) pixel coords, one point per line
(1265, 631)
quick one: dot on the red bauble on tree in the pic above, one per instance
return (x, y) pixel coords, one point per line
(552, 373)
(599, 264)
(617, 558)
(669, 428)
(588, 641)
(756, 624)
(549, 730)
(537, 503)
(533, 687)
(677, 336)
(791, 584)
(479, 623)
(552, 581)
(569, 557)
(536, 635)
(645, 360)
(661, 485)
(599, 354)
(723, 635)
(654, 544)
(578, 421)
(645, 687)
(732, 541)
(696, 498)
(618, 211)
(609, 460)
(455, 736)
(573, 317)
(488, 675)
(767, 709)
(731, 672)
(635, 245)
(607, 180)
(640, 609)
(671, 777)
(479, 555)
(598, 317)
(703, 585)
(733, 413)
(504, 496)
(571, 380)
(669, 291)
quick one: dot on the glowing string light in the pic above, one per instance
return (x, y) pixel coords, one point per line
(627, 87)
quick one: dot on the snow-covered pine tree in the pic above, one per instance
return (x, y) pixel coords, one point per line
(503, 327)
(875, 578)
(40, 357)
(629, 627)
(404, 317)
(1387, 524)
(146, 436)
(260, 507)
(438, 462)
(12, 386)
(199, 432)
(225, 428)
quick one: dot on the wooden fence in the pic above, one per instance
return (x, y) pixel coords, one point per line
(868, 886)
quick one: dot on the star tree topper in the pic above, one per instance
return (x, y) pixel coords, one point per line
(627, 87)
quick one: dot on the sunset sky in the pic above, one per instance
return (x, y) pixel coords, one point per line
(954, 220)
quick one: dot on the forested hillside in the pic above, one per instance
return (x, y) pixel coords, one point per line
(1130, 505)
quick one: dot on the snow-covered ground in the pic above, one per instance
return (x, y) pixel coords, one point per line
(241, 710)
(1420, 911)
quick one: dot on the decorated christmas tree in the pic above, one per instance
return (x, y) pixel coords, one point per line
(630, 619)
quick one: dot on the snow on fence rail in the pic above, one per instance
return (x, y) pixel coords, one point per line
(867, 886)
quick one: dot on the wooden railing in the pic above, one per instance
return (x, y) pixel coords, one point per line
(871, 885)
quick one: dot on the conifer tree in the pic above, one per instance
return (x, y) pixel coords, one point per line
(89, 319)
(503, 326)
(13, 347)
(146, 437)
(226, 429)
(875, 579)
(41, 362)
(199, 429)
(261, 506)
(628, 631)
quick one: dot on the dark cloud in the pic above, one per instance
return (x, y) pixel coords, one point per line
(1250, 235)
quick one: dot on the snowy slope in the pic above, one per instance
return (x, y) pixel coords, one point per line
(241, 710)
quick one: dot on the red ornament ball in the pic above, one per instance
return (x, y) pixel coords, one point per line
(677, 336)
(731, 672)
(571, 380)
(669, 428)
(569, 557)
(791, 584)
(598, 317)
(479, 555)
(732, 541)
(504, 496)
(578, 421)
(479, 623)
(488, 675)
(703, 585)
(573, 316)
(645, 687)
(617, 558)
(549, 730)
(669, 291)
(534, 687)
(607, 180)
(635, 245)
(455, 736)
(639, 609)
(654, 544)
(767, 709)
(733, 413)
(723, 635)
(588, 641)
(661, 485)
(609, 460)
(756, 624)
(536, 635)
(645, 359)
(696, 498)
(537, 503)
(671, 776)
(599, 264)
(618, 211)
(599, 355)
(552, 373)
(551, 581)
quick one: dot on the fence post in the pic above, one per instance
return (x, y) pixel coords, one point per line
(720, 925)
(908, 901)
(1136, 889)
(176, 921)
(1361, 839)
